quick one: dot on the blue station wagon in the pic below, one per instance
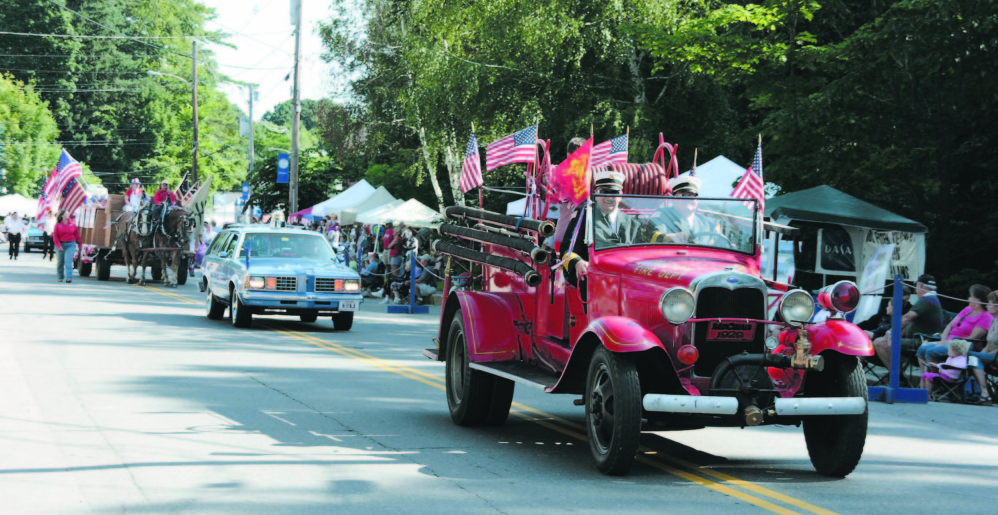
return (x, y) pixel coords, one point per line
(260, 270)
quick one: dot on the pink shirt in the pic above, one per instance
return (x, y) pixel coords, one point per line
(957, 362)
(965, 323)
(66, 232)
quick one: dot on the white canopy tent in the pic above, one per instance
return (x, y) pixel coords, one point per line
(515, 208)
(353, 195)
(379, 198)
(412, 212)
(17, 203)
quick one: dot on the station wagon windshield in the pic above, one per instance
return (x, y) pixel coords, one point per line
(718, 223)
(285, 245)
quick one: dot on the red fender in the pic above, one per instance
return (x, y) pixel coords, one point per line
(487, 323)
(622, 334)
(840, 336)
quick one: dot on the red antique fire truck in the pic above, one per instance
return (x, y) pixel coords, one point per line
(662, 330)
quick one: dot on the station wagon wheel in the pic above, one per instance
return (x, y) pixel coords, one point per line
(613, 411)
(475, 398)
(213, 308)
(835, 442)
(240, 315)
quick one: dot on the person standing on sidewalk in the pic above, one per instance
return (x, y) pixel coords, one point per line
(49, 228)
(15, 229)
(67, 239)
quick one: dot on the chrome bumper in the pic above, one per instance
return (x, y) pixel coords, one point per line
(710, 405)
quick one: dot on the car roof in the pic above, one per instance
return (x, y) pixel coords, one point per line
(262, 228)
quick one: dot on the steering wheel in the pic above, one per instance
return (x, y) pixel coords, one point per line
(712, 235)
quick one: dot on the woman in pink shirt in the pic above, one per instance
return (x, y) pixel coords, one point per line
(971, 323)
(67, 239)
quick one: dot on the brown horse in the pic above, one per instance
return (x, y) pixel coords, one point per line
(173, 234)
(132, 233)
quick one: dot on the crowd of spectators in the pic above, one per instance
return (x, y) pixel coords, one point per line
(944, 344)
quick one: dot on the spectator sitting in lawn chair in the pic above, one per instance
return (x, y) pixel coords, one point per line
(972, 322)
(950, 371)
(372, 277)
(925, 317)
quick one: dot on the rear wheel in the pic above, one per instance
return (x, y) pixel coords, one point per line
(613, 411)
(309, 318)
(475, 398)
(214, 309)
(343, 321)
(86, 269)
(103, 268)
(157, 273)
(835, 442)
(239, 315)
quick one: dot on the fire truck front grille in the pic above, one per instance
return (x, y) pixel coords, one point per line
(725, 303)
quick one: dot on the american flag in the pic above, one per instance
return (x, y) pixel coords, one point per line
(46, 200)
(73, 195)
(611, 151)
(67, 169)
(471, 170)
(519, 147)
(750, 186)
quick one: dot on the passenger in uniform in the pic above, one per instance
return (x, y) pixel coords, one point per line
(611, 227)
(681, 222)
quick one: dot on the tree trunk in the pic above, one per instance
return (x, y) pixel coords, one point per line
(430, 169)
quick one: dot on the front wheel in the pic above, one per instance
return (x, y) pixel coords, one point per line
(308, 318)
(103, 268)
(613, 411)
(239, 315)
(182, 272)
(86, 269)
(342, 321)
(835, 442)
(475, 398)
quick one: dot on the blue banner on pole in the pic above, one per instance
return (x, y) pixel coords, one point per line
(283, 162)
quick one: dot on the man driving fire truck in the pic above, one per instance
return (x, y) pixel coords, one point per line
(611, 227)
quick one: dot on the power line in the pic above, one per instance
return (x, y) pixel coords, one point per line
(93, 36)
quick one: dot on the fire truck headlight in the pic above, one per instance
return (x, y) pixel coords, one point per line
(796, 307)
(677, 305)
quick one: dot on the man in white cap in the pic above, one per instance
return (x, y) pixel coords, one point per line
(610, 227)
(680, 223)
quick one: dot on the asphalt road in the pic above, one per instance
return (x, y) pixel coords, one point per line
(126, 399)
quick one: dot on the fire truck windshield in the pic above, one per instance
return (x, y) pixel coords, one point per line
(623, 220)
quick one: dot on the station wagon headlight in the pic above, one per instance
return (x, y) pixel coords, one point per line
(677, 305)
(256, 283)
(796, 307)
(351, 286)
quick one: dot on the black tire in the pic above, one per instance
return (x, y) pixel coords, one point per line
(475, 398)
(103, 269)
(157, 273)
(310, 318)
(214, 309)
(86, 269)
(835, 442)
(343, 321)
(613, 411)
(239, 315)
(182, 272)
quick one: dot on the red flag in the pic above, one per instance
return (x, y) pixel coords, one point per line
(572, 178)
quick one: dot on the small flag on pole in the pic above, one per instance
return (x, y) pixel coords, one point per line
(471, 170)
(611, 151)
(46, 200)
(751, 186)
(518, 147)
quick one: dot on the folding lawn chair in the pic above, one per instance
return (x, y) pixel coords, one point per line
(955, 390)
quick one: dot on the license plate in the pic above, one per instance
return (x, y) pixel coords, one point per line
(348, 305)
(731, 331)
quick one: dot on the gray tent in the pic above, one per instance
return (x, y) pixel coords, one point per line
(825, 204)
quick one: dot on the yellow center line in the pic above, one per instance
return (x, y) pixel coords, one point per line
(438, 383)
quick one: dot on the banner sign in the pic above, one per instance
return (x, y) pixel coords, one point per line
(871, 282)
(835, 252)
(283, 162)
(904, 259)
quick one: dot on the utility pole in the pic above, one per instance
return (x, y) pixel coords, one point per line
(194, 94)
(251, 154)
(296, 114)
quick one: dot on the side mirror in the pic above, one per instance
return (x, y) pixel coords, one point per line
(223, 254)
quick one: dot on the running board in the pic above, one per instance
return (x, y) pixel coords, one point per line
(432, 354)
(519, 372)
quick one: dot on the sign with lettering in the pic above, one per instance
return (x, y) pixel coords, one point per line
(904, 259)
(731, 331)
(835, 252)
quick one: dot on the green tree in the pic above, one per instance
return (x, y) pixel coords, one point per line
(27, 138)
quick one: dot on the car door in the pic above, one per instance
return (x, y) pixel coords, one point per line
(212, 260)
(228, 264)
